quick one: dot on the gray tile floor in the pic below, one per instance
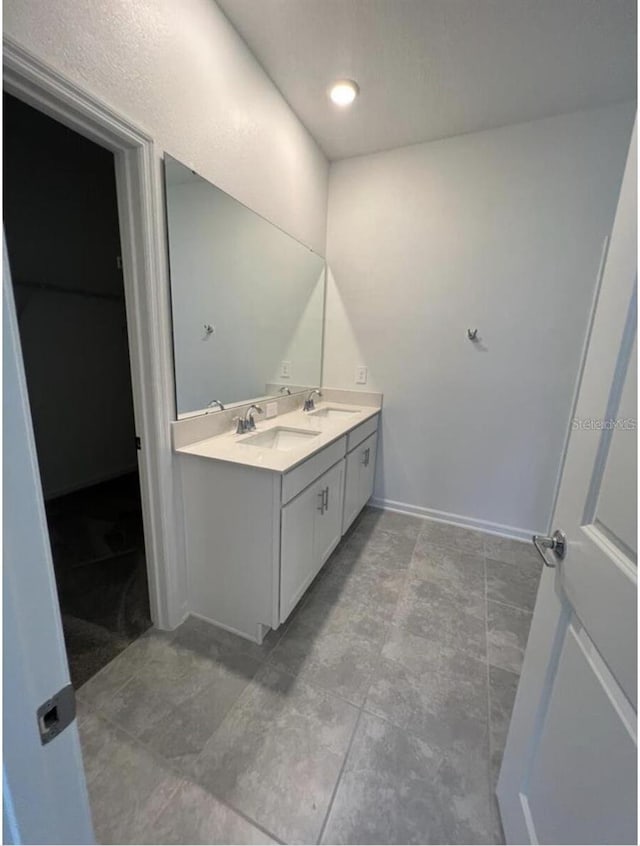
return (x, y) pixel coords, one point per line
(378, 714)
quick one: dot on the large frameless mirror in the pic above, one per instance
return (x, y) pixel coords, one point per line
(247, 299)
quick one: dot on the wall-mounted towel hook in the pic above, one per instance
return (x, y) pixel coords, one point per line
(208, 330)
(472, 334)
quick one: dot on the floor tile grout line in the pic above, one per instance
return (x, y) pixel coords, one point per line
(156, 757)
(504, 670)
(334, 792)
(182, 776)
(170, 637)
(489, 721)
(324, 691)
(435, 672)
(492, 798)
(361, 709)
(414, 735)
(107, 696)
(102, 670)
(509, 605)
(456, 593)
(452, 547)
(360, 604)
(471, 553)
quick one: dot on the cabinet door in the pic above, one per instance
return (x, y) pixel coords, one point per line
(328, 521)
(368, 469)
(297, 564)
(360, 470)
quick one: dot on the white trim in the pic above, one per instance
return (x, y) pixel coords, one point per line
(452, 519)
(139, 189)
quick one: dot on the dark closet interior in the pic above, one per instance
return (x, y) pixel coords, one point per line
(63, 240)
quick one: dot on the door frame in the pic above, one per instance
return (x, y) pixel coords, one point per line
(142, 234)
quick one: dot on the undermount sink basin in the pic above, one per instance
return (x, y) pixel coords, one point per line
(281, 438)
(329, 413)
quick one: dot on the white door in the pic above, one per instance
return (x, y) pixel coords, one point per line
(44, 791)
(569, 771)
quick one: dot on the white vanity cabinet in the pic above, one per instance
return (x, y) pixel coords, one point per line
(256, 538)
(311, 529)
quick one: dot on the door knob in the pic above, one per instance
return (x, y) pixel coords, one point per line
(557, 543)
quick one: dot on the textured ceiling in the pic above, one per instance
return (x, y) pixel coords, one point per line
(429, 69)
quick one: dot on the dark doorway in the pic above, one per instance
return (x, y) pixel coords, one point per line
(63, 241)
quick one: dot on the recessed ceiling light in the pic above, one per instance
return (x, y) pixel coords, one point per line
(344, 92)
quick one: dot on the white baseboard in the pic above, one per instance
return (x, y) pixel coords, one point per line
(452, 519)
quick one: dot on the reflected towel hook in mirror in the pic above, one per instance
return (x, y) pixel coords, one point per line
(472, 334)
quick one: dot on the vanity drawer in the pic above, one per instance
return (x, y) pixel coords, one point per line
(364, 430)
(304, 474)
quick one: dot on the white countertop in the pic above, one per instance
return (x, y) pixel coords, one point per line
(231, 447)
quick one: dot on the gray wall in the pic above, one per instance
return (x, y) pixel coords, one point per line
(181, 72)
(61, 223)
(499, 230)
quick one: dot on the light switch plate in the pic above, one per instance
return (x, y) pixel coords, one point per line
(272, 409)
(285, 370)
(361, 375)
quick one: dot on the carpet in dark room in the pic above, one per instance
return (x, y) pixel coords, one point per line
(99, 560)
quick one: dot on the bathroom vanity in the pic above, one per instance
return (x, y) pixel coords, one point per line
(264, 510)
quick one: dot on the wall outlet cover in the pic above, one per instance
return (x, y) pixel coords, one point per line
(361, 375)
(285, 370)
(272, 409)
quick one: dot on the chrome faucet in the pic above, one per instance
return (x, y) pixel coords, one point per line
(249, 422)
(215, 402)
(308, 403)
(285, 390)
